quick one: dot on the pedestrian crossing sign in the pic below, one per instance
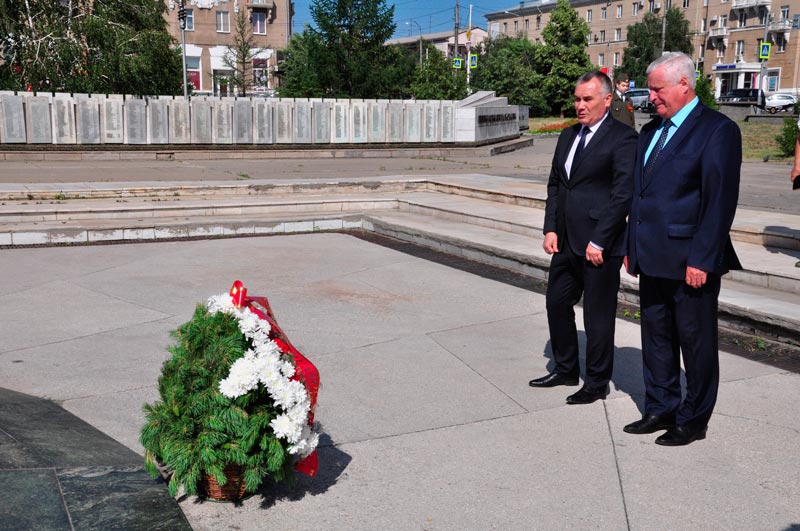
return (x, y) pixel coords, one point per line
(763, 53)
(473, 60)
(457, 62)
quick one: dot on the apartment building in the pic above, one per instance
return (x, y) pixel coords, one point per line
(210, 29)
(726, 35)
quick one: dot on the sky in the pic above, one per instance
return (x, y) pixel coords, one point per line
(430, 16)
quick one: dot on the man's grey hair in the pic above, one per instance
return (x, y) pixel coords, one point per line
(604, 80)
(676, 65)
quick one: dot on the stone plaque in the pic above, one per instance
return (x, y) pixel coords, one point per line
(87, 120)
(322, 122)
(263, 127)
(63, 120)
(37, 120)
(135, 121)
(243, 121)
(359, 112)
(430, 122)
(12, 127)
(201, 122)
(283, 122)
(448, 121)
(302, 122)
(377, 122)
(341, 122)
(223, 122)
(180, 127)
(158, 121)
(413, 123)
(111, 123)
(395, 119)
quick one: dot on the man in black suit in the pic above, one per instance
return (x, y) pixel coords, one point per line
(588, 196)
(686, 187)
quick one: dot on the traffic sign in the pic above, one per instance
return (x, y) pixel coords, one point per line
(457, 62)
(764, 51)
(473, 60)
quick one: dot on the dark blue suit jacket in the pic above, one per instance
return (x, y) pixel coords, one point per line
(592, 204)
(682, 212)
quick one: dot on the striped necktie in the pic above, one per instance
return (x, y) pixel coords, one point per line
(658, 147)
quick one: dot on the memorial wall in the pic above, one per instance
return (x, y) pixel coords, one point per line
(63, 119)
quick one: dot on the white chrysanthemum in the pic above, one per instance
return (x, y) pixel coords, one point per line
(306, 444)
(240, 380)
(287, 369)
(299, 412)
(284, 428)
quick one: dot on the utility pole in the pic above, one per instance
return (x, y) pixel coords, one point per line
(455, 35)
(182, 22)
(762, 71)
(469, 45)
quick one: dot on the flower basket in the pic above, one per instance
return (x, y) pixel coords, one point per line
(236, 402)
(233, 489)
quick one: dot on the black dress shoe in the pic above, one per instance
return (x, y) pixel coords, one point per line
(587, 396)
(681, 436)
(651, 424)
(553, 379)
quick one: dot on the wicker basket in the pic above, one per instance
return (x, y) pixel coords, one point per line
(233, 489)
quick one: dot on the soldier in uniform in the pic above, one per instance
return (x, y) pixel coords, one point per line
(621, 105)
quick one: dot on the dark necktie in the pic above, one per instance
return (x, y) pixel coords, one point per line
(658, 147)
(581, 143)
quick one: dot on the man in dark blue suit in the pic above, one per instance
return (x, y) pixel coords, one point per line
(686, 187)
(588, 196)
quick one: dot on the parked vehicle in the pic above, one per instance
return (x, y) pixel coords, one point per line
(743, 97)
(638, 97)
(780, 102)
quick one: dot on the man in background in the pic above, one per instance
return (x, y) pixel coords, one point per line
(621, 105)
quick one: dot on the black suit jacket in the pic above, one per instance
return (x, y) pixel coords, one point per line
(591, 205)
(682, 211)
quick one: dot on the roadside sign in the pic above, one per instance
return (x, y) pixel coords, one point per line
(763, 52)
(457, 62)
(473, 60)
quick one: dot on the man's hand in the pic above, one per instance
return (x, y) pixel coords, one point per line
(594, 255)
(550, 244)
(628, 269)
(695, 277)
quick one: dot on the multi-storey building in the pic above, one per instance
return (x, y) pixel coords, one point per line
(210, 30)
(726, 35)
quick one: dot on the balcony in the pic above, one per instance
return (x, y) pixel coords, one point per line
(718, 32)
(780, 25)
(744, 4)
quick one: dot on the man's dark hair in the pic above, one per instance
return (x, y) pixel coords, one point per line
(604, 80)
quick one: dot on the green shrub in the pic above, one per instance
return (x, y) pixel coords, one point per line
(787, 137)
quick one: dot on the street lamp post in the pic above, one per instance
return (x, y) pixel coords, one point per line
(420, 39)
(182, 22)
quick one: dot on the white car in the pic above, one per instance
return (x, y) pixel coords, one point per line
(780, 102)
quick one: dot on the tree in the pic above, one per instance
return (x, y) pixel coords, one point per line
(239, 57)
(435, 80)
(301, 77)
(508, 67)
(345, 51)
(563, 59)
(705, 93)
(644, 42)
(88, 46)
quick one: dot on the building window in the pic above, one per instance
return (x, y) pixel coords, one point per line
(516, 26)
(190, 20)
(193, 76)
(742, 19)
(635, 11)
(739, 50)
(601, 59)
(527, 25)
(603, 13)
(259, 22)
(223, 22)
(505, 27)
(720, 51)
(784, 12)
(616, 58)
(588, 15)
(538, 22)
(758, 47)
(618, 34)
(260, 75)
(686, 4)
(780, 42)
(602, 35)
(723, 21)
(619, 11)
(703, 25)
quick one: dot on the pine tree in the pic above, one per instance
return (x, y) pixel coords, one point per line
(239, 57)
(435, 80)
